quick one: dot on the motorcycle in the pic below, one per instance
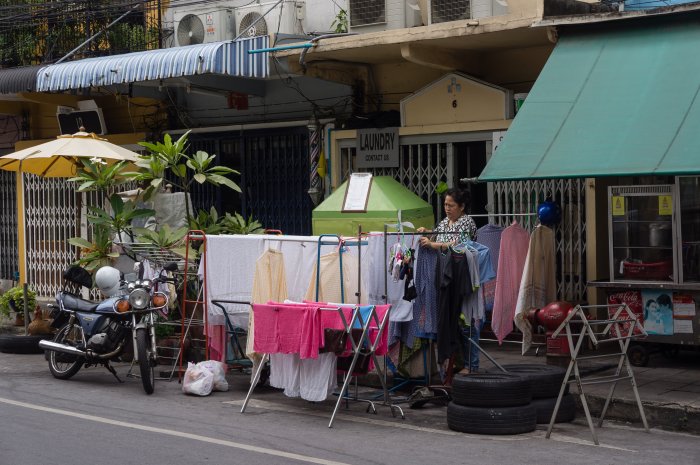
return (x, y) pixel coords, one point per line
(96, 333)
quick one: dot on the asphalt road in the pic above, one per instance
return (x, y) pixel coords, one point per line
(93, 420)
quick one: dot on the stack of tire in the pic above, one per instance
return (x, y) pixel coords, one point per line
(545, 383)
(508, 403)
(491, 403)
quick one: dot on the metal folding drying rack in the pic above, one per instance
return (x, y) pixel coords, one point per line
(622, 327)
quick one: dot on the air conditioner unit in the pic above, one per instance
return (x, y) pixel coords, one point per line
(202, 26)
(443, 11)
(282, 18)
(383, 15)
(71, 121)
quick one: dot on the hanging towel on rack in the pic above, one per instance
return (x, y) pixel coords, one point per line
(490, 236)
(269, 283)
(329, 282)
(511, 261)
(538, 286)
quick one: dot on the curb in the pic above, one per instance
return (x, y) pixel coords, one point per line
(673, 417)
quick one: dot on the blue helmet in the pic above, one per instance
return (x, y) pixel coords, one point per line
(549, 212)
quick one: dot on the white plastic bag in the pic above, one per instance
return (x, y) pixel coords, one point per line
(219, 372)
(198, 380)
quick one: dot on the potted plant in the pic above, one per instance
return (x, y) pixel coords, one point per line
(13, 301)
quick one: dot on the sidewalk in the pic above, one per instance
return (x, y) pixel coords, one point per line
(668, 387)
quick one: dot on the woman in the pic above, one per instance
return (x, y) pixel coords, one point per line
(456, 220)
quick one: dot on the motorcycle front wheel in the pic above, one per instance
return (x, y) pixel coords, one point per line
(144, 356)
(62, 365)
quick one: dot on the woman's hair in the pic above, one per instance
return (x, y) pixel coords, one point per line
(664, 299)
(459, 196)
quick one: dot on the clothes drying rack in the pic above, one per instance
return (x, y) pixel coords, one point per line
(621, 328)
(357, 344)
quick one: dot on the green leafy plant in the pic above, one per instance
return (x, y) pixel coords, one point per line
(236, 224)
(209, 222)
(13, 300)
(340, 23)
(120, 218)
(98, 175)
(169, 156)
(97, 253)
(165, 238)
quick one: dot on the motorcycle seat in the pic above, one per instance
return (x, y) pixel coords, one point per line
(73, 302)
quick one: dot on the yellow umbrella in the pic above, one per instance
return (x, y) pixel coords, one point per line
(60, 157)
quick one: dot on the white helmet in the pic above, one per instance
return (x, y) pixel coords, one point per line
(107, 279)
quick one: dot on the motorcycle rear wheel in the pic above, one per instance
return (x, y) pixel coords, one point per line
(61, 365)
(144, 356)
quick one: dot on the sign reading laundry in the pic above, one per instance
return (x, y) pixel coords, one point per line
(377, 148)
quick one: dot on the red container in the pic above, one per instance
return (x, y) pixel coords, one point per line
(558, 346)
(655, 271)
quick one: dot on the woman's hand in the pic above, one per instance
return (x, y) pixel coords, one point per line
(425, 242)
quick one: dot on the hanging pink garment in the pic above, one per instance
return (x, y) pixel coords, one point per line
(511, 261)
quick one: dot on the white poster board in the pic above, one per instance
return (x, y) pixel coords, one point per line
(357, 193)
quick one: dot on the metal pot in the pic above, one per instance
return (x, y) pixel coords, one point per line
(660, 235)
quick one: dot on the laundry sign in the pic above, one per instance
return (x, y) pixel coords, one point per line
(377, 148)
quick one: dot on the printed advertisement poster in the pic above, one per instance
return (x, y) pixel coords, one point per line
(683, 313)
(633, 299)
(658, 312)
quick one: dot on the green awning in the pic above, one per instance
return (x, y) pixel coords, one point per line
(610, 103)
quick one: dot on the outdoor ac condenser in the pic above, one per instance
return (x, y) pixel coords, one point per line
(282, 18)
(383, 15)
(202, 25)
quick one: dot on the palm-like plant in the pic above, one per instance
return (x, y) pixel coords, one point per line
(169, 156)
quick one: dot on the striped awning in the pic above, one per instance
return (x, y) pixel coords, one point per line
(21, 79)
(229, 58)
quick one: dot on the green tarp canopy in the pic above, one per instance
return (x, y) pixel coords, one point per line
(614, 101)
(386, 198)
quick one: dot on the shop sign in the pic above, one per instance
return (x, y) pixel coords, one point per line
(377, 148)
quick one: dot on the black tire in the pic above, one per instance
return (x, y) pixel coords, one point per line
(61, 365)
(16, 344)
(147, 368)
(491, 420)
(545, 408)
(638, 355)
(545, 380)
(490, 390)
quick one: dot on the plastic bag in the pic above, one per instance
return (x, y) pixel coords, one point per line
(219, 372)
(198, 380)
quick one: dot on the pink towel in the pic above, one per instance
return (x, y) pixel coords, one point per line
(511, 261)
(266, 340)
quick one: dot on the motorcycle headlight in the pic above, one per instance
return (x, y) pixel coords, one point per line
(139, 298)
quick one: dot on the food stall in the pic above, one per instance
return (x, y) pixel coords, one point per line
(654, 261)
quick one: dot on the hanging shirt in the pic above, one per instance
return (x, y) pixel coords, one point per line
(511, 261)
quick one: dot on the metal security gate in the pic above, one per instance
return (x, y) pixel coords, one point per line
(570, 233)
(274, 167)
(421, 168)
(9, 263)
(423, 165)
(52, 216)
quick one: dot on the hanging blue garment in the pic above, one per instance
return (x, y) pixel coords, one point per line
(486, 271)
